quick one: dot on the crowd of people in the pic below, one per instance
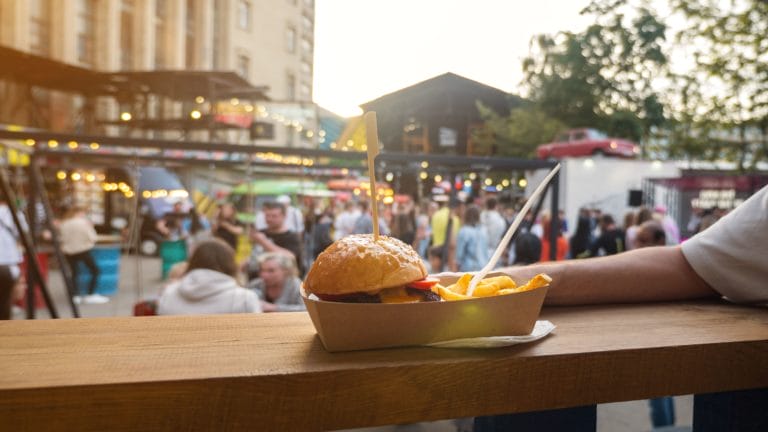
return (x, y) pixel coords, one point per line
(284, 238)
(448, 233)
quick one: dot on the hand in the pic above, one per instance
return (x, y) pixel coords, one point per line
(260, 238)
(268, 307)
(19, 289)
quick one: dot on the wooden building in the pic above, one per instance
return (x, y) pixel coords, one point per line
(436, 116)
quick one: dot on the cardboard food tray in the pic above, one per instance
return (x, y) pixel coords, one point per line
(358, 326)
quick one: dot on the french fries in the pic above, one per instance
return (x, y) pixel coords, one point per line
(493, 286)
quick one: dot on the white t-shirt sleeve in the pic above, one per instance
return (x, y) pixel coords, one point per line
(732, 255)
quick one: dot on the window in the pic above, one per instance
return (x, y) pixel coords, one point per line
(126, 35)
(290, 40)
(305, 92)
(306, 48)
(189, 41)
(40, 25)
(161, 13)
(244, 14)
(85, 31)
(290, 87)
(306, 69)
(243, 65)
(306, 23)
(216, 54)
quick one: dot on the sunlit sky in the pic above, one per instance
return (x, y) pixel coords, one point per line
(367, 48)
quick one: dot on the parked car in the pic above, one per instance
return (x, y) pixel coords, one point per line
(586, 142)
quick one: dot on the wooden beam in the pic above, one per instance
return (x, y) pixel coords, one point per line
(270, 371)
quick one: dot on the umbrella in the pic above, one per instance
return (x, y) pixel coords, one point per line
(156, 178)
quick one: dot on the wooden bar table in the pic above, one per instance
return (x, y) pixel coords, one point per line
(270, 371)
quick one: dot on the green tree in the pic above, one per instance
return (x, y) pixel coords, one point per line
(562, 82)
(515, 135)
(604, 76)
(729, 43)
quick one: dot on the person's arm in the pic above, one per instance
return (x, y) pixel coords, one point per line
(233, 228)
(641, 275)
(162, 227)
(92, 234)
(269, 246)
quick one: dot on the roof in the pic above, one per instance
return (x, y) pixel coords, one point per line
(419, 94)
(741, 183)
(187, 85)
(35, 70)
(40, 71)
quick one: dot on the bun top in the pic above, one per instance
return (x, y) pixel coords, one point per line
(357, 263)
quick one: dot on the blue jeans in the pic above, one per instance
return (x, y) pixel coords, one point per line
(578, 419)
(736, 411)
(662, 411)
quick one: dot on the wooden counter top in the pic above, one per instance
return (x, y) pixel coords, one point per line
(270, 372)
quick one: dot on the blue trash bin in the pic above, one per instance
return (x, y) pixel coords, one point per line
(107, 259)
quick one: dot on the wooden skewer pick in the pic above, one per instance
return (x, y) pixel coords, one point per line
(512, 228)
(372, 138)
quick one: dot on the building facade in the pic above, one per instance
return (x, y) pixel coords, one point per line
(268, 42)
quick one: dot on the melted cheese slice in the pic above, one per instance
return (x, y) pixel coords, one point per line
(398, 295)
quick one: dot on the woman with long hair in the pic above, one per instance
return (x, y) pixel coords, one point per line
(582, 238)
(227, 227)
(471, 242)
(78, 238)
(208, 285)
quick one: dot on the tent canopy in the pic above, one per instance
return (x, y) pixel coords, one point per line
(277, 187)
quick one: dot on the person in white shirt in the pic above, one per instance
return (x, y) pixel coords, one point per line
(78, 238)
(493, 223)
(345, 222)
(10, 254)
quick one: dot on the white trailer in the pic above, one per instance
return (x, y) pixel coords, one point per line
(603, 183)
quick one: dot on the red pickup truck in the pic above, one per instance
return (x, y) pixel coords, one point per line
(586, 142)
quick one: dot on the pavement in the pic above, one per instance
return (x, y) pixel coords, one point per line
(140, 279)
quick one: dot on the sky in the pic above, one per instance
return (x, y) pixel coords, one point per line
(368, 48)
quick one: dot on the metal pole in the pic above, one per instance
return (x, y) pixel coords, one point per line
(29, 246)
(554, 227)
(36, 178)
(32, 224)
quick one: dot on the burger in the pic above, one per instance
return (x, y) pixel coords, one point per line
(359, 269)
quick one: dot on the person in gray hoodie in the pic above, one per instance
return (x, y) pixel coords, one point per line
(208, 286)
